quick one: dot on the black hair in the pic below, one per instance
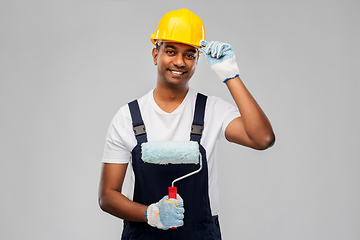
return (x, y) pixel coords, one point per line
(158, 44)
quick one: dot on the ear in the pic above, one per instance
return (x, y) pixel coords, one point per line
(155, 54)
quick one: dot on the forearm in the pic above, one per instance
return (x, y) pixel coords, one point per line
(256, 124)
(116, 204)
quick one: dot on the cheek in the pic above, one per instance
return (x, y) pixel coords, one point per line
(162, 61)
(194, 64)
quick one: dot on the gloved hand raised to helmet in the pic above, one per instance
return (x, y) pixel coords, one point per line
(167, 213)
(221, 59)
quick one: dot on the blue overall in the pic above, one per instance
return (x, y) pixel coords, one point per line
(152, 182)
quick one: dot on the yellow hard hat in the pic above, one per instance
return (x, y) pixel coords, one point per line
(182, 26)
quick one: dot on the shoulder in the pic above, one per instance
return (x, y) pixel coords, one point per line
(123, 116)
(124, 110)
(220, 112)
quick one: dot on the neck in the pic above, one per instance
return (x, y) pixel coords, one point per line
(168, 99)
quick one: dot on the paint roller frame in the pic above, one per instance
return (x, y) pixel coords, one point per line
(173, 189)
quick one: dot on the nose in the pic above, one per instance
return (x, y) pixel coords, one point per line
(179, 61)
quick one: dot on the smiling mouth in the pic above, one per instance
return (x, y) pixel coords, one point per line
(177, 72)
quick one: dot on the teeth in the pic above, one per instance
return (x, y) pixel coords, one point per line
(177, 72)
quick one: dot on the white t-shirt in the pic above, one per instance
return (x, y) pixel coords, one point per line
(175, 126)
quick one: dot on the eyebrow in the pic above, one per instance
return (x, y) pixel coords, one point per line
(175, 48)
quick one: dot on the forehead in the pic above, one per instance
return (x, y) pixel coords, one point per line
(179, 46)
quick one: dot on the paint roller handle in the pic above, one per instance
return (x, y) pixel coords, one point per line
(172, 192)
(172, 195)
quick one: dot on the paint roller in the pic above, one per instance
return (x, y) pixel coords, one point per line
(172, 153)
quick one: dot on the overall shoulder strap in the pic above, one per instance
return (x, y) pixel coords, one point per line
(138, 124)
(198, 122)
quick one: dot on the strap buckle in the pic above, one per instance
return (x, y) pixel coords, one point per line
(197, 129)
(139, 130)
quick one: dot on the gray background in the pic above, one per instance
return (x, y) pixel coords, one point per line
(67, 66)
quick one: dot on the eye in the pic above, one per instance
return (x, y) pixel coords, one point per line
(190, 56)
(170, 52)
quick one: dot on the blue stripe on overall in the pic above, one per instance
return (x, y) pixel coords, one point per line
(152, 182)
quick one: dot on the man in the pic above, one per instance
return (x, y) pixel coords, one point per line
(173, 112)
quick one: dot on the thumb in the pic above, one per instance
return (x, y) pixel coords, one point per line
(203, 43)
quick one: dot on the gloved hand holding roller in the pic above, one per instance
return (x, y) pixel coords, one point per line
(167, 213)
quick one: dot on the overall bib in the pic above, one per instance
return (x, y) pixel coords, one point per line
(152, 182)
